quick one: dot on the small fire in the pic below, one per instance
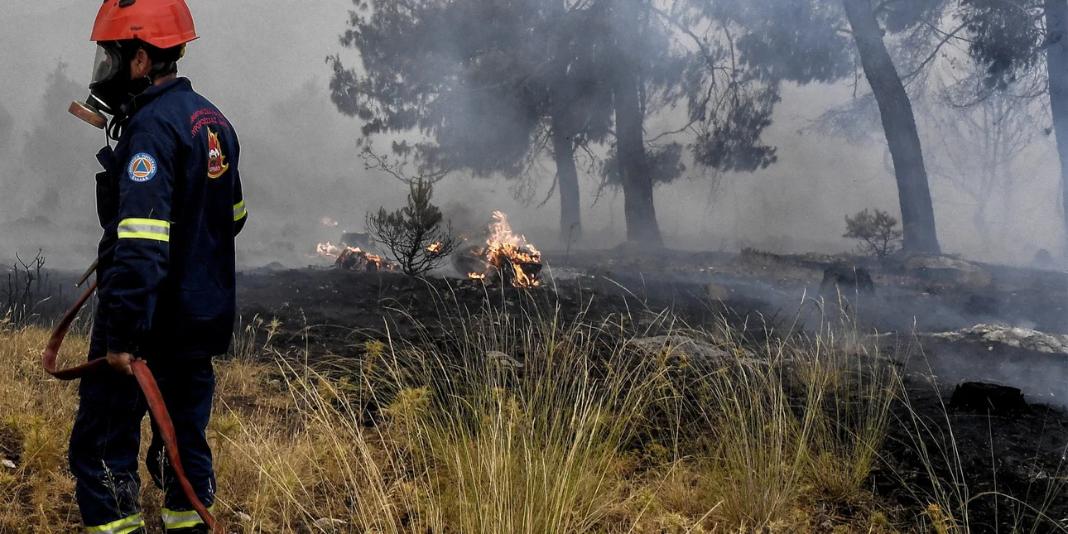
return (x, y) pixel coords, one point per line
(435, 247)
(509, 254)
(353, 258)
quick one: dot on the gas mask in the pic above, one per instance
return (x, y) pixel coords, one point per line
(111, 89)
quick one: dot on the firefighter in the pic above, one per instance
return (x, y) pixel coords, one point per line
(170, 203)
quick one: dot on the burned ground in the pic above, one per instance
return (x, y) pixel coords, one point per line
(333, 312)
(1007, 467)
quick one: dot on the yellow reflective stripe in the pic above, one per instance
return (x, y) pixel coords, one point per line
(122, 526)
(146, 222)
(145, 235)
(239, 211)
(174, 520)
(153, 229)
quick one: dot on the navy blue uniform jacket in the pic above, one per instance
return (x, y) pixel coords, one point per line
(170, 204)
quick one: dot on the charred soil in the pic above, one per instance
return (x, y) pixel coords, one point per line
(994, 469)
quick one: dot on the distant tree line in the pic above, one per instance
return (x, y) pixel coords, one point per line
(491, 86)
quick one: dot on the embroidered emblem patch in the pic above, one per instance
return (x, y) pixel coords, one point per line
(217, 165)
(142, 167)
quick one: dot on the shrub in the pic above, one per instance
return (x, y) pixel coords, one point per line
(27, 286)
(877, 232)
(415, 234)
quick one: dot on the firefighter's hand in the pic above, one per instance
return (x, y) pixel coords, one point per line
(120, 361)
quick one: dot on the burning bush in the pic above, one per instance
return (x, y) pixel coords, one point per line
(508, 256)
(877, 231)
(414, 234)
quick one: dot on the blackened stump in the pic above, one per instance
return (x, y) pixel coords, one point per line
(845, 278)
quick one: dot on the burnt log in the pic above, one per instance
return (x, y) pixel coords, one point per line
(988, 398)
(510, 272)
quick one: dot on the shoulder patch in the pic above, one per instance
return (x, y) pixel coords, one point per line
(217, 165)
(142, 167)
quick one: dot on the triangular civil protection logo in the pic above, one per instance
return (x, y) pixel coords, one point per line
(142, 167)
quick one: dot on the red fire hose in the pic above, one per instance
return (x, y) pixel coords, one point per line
(148, 385)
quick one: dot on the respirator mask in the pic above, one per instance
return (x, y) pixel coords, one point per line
(111, 89)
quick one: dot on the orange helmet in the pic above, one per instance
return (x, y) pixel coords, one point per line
(160, 23)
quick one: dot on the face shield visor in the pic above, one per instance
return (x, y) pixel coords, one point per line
(107, 90)
(106, 65)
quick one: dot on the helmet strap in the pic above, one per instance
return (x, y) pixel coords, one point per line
(128, 107)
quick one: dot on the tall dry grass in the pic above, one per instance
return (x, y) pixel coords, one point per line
(35, 420)
(524, 427)
(522, 422)
(510, 423)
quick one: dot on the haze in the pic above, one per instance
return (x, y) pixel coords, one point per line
(262, 62)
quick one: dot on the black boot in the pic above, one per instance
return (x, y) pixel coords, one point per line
(198, 529)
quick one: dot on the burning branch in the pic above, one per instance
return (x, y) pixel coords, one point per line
(354, 258)
(508, 255)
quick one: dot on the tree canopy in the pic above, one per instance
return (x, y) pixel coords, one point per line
(489, 85)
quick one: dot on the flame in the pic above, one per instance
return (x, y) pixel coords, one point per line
(509, 254)
(354, 258)
(435, 247)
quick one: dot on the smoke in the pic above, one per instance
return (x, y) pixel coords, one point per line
(262, 62)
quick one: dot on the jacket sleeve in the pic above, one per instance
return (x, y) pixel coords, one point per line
(142, 252)
(240, 210)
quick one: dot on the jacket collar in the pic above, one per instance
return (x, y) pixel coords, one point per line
(155, 91)
(119, 122)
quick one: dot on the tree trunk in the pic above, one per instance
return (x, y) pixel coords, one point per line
(1057, 67)
(567, 179)
(638, 207)
(899, 125)
(564, 129)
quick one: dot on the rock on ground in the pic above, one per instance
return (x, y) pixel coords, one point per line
(676, 348)
(947, 269)
(1016, 337)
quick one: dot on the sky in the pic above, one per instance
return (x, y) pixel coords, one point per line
(262, 62)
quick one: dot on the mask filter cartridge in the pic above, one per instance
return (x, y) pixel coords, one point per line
(88, 113)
